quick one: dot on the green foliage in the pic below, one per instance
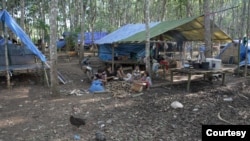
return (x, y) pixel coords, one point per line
(71, 42)
(108, 15)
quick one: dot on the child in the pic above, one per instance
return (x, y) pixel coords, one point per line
(146, 79)
(101, 75)
(136, 74)
(121, 75)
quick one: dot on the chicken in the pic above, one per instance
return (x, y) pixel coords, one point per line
(76, 121)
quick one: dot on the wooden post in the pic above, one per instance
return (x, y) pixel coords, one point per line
(6, 56)
(113, 50)
(189, 81)
(45, 75)
(223, 78)
(172, 76)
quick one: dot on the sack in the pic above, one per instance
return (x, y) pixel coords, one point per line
(96, 86)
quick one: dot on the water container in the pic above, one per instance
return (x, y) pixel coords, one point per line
(210, 60)
(216, 64)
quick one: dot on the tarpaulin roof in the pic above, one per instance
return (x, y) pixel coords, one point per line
(188, 29)
(15, 28)
(88, 37)
(123, 33)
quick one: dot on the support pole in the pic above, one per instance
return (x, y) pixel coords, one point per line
(189, 81)
(45, 75)
(113, 50)
(6, 56)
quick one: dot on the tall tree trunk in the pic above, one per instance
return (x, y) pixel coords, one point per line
(22, 14)
(188, 11)
(6, 49)
(43, 28)
(147, 47)
(200, 6)
(53, 48)
(247, 35)
(207, 34)
(163, 9)
(64, 16)
(83, 8)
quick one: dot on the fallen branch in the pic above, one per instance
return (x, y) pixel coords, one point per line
(136, 95)
(243, 96)
(223, 119)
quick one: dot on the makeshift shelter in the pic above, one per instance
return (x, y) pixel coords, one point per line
(229, 53)
(110, 40)
(188, 29)
(87, 38)
(19, 58)
(179, 31)
(15, 28)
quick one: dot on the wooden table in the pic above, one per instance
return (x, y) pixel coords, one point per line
(191, 72)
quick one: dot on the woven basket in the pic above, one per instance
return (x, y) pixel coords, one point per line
(137, 87)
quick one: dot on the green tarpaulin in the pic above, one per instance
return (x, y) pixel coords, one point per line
(188, 29)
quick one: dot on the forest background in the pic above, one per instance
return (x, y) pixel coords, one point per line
(108, 15)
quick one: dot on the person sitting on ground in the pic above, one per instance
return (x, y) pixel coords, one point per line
(101, 75)
(145, 80)
(110, 74)
(136, 74)
(121, 75)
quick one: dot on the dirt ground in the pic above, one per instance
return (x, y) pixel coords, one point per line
(29, 113)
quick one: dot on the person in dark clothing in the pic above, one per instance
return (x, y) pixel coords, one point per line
(119, 72)
(101, 75)
(110, 74)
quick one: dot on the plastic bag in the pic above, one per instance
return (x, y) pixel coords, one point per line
(96, 86)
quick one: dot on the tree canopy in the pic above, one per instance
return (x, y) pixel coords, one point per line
(108, 15)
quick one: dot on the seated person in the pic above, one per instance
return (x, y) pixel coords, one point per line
(136, 74)
(109, 73)
(101, 75)
(121, 75)
(145, 80)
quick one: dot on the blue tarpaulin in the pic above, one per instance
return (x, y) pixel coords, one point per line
(87, 38)
(15, 28)
(105, 51)
(123, 33)
(105, 44)
(60, 43)
(242, 52)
